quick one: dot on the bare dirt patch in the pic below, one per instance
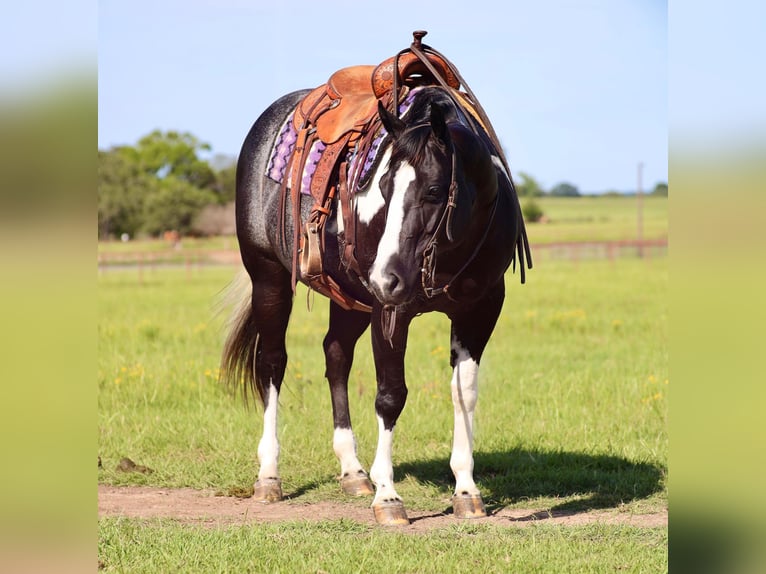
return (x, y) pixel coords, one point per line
(203, 507)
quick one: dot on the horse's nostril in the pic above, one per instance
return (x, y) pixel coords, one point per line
(394, 281)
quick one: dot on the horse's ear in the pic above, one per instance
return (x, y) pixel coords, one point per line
(393, 125)
(438, 123)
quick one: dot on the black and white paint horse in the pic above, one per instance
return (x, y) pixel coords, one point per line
(437, 225)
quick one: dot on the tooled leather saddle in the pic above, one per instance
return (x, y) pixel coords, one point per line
(339, 119)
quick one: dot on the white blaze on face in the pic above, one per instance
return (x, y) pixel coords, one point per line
(464, 395)
(389, 243)
(370, 203)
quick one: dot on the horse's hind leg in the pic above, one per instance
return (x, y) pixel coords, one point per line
(272, 301)
(345, 329)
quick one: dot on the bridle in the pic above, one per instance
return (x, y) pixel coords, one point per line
(428, 271)
(430, 253)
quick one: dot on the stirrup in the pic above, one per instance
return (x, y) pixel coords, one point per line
(311, 254)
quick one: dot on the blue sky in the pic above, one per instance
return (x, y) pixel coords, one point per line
(577, 91)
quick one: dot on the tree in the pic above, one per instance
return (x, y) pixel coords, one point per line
(565, 190)
(225, 183)
(661, 189)
(174, 154)
(173, 206)
(122, 190)
(160, 184)
(527, 186)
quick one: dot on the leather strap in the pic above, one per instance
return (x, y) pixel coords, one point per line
(348, 256)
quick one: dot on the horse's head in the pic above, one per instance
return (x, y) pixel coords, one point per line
(439, 171)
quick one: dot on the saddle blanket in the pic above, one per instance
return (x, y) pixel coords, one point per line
(284, 146)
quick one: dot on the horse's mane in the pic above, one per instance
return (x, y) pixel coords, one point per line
(411, 144)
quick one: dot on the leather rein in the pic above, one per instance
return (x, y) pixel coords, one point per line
(428, 271)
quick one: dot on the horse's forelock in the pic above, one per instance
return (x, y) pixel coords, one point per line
(411, 146)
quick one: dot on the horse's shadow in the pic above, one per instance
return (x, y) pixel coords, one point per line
(584, 481)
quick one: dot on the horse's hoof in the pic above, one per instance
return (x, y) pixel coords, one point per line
(391, 513)
(267, 490)
(357, 484)
(468, 506)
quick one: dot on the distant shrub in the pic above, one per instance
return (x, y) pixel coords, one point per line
(661, 189)
(531, 210)
(215, 220)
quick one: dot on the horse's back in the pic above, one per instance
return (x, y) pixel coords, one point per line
(257, 200)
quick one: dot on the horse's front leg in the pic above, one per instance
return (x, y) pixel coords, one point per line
(345, 329)
(389, 402)
(470, 333)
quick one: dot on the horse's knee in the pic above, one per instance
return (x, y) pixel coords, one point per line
(333, 350)
(271, 366)
(389, 404)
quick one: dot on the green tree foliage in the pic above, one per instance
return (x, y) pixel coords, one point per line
(174, 154)
(225, 182)
(565, 189)
(531, 210)
(661, 189)
(173, 206)
(122, 190)
(527, 186)
(160, 184)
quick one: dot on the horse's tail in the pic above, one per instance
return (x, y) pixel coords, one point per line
(239, 351)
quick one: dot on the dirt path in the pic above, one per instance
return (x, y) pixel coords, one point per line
(202, 507)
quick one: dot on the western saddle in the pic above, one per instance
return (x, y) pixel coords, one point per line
(342, 115)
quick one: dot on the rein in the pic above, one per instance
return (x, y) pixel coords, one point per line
(428, 272)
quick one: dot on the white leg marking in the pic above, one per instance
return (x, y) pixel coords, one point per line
(382, 471)
(464, 395)
(268, 447)
(389, 243)
(344, 445)
(370, 203)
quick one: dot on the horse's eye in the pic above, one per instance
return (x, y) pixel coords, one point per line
(434, 193)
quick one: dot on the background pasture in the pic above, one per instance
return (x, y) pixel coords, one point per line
(571, 417)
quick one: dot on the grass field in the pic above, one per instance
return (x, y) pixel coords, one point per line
(572, 415)
(587, 218)
(594, 218)
(345, 546)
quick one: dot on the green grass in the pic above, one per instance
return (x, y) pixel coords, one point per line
(572, 400)
(345, 546)
(571, 416)
(151, 245)
(593, 218)
(578, 219)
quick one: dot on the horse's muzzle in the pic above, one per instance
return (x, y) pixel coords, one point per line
(392, 286)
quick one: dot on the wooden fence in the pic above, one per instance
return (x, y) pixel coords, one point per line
(194, 259)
